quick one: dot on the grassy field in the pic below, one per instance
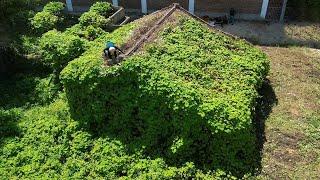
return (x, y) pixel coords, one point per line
(277, 34)
(291, 132)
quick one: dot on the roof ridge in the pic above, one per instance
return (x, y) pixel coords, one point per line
(152, 29)
(171, 9)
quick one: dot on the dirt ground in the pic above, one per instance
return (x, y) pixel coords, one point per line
(292, 130)
(277, 34)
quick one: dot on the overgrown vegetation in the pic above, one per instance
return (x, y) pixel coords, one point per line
(193, 88)
(52, 145)
(48, 18)
(182, 108)
(60, 48)
(8, 8)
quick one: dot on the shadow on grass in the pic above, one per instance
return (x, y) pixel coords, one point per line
(265, 103)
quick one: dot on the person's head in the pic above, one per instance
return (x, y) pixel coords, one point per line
(112, 50)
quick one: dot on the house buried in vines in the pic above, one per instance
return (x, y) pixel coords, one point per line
(246, 9)
(185, 92)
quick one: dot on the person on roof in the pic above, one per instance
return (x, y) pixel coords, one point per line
(110, 52)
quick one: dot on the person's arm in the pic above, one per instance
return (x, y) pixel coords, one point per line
(105, 50)
(119, 49)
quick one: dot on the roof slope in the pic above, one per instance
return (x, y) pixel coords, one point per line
(183, 88)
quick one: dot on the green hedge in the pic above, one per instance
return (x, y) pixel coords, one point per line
(102, 8)
(54, 8)
(48, 18)
(44, 21)
(93, 23)
(58, 48)
(189, 97)
(93, 19)
(46, 143)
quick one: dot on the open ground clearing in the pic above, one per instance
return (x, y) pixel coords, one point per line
(274, 34)
(292, 129)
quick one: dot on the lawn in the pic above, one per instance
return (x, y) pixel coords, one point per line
(277, 34)
(292, 134)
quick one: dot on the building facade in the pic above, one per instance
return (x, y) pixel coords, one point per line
(245, 9)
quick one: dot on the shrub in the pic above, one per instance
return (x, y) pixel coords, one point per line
(90, 32)
(21, 19)
(188, 97)
(29, 45)
(44, 21)
(50, 143)
(102, 8)
(9, 8)
(54, 8)
(94, 19)
(75, 30)
(59, 48)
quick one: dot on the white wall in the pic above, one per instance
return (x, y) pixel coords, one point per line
(264, 9)
(69, 5)
(191, 6)
(115, 3)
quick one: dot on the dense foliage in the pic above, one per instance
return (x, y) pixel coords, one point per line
(102, 8)
(9, 8)
(54, 8)
(93, 23)
(188, 97)
(48, 18)
(44, 21)
(180, 109)
(94, 19)
(60, 48)
(97, 16)
(52, 145)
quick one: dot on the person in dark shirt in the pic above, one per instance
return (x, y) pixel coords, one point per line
(111, 50)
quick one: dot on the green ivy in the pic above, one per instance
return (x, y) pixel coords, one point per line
(102, 8)
(59, 48)
(93, 19)
(44, 21)
(194, 84)
(48, 18)
(51, 145)
(54, 8)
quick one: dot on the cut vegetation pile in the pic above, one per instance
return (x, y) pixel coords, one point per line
(188, 95)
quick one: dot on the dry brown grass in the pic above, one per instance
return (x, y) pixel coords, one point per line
(291, 150)
(299, 34)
